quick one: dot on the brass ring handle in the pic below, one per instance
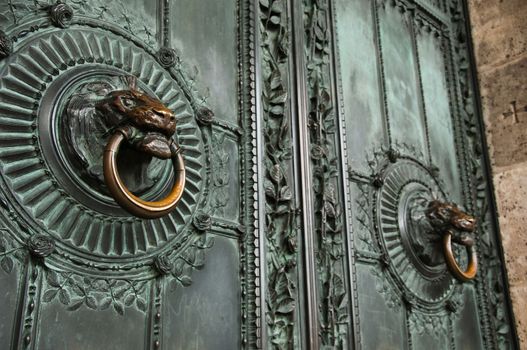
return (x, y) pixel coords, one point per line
(452, 264)
(447, 218)
(125, 198)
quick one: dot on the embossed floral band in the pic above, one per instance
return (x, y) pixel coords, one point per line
(448, 220)
(148, 126)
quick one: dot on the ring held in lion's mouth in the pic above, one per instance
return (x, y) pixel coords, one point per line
(147, 126)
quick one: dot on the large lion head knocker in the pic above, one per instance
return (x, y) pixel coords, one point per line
(148, 126)
(454, 224)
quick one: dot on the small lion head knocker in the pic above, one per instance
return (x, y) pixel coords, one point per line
(148, 126)
(454, 224)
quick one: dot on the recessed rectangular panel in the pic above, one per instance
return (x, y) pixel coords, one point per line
(467, 332)
(204, 32)
(360, 84)
(437, 106)
(86, 329)
(8, 290)
(382, 317)
(206, 315)
(400, 70)
(144, 11)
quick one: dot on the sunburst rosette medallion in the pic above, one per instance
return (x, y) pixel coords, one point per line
(51, 145)
(412, 251)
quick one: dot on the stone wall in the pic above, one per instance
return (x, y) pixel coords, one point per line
(499, 29)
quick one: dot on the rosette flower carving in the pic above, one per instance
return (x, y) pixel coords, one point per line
(393, 155)
(205, 116)
(202, 221)
(167, 57)
(378, 180)
(61, 14)
(317, 152)
(40, 246)
(163, 264)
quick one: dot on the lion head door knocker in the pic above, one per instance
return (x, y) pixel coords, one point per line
(136, 132)
(426, 242)
(455, 225)
(148, 126)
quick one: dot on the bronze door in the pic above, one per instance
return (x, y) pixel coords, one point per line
(413, 143)
(224, 174)
(398, 243)
(79, 271)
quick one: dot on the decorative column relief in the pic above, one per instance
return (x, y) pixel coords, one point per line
(281, 213)
(334, 314)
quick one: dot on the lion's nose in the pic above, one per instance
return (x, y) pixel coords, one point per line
(467, 223)
(165, 114)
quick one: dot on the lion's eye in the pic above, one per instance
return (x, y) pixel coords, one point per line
(128, 102)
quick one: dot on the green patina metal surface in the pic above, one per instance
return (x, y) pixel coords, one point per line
(315, 133)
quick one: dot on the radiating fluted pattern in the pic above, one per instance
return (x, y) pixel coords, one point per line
(403, 179)
(24, 169)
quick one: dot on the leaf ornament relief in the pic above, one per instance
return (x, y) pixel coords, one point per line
(280, 211)
(334, 316)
